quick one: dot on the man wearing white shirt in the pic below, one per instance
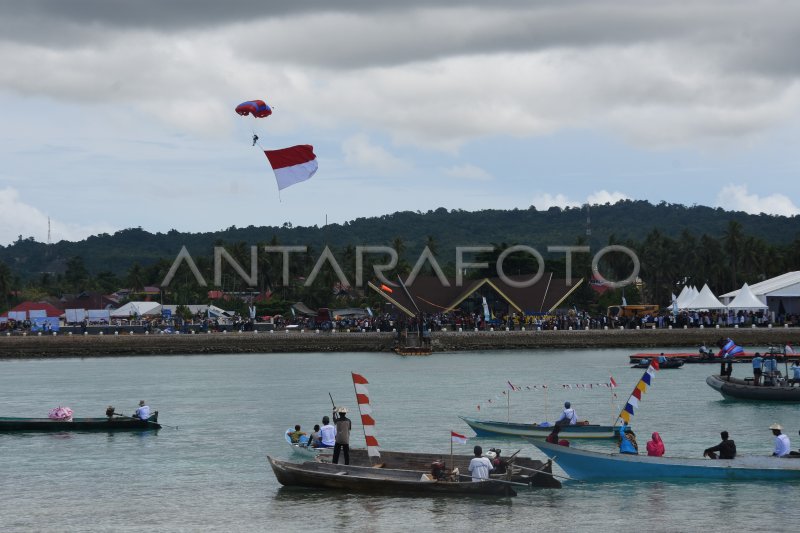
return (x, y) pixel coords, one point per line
(479, 466)
(568, 416)
(143, 412)
(327, 433)
(782, 444)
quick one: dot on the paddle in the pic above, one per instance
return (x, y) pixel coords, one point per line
(497, 480)
(547, 473)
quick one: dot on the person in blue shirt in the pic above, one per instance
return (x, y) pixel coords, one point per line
(662, 358)
(757, 361)
(627, 440)
(795, 368)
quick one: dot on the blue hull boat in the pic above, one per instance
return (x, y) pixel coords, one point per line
(594, 466)
(493, 428)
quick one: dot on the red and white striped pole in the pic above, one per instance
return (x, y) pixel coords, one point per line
(364, 408)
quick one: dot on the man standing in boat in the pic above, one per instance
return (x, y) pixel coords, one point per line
(757, 361)
(568, 416)
(480, 466)
(342, 444)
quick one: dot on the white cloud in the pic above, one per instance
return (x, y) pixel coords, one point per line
(361, 153)
(468, 172)
(18, 218)
(544, 201)
(605, 197)
(737, 198)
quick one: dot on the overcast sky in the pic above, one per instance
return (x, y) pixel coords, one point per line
(120, 114)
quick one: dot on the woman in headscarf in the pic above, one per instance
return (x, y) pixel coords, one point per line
(655, 446)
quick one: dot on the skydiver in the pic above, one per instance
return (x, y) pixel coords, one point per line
(255, 139)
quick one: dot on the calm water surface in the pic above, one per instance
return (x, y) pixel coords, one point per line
(211, 474)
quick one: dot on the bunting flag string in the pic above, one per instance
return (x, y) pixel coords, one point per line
(636, 396)
(544, 387)
(364, 408)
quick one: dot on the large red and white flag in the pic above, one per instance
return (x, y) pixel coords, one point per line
(458, 438)
(292, 165)
(364, 408)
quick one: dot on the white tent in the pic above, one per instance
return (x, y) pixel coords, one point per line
(705, 299)
(691, 294)
(137, 309)
(746, 300)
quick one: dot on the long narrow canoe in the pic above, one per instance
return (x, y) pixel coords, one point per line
(9, 424)
(739, 389)
(378, 480)
(524, 469)
(595, 466)
(692, 357)
(493, 428)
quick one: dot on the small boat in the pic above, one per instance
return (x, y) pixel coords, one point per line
(669, 363)
(317, 475)
(740, 389)
(595, 466)
(119, 423)
(412, 350)
(493, 428)
(303, 449)
(524, 470)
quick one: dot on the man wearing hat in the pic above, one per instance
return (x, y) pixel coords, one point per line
(343, 425)
(143, 412)
(568, 416)
(782, 444)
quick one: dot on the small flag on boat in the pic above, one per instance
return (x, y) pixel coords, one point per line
(641, 387)
(364, 408)
(457, 438)
(386, 288)
(613, 383)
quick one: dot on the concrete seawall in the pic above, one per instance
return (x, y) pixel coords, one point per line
(19, 347)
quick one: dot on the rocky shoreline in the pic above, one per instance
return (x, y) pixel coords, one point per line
(24, 347)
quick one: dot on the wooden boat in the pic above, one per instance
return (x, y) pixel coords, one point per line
(493, 428)
(302, 448)
(595, 466)
(317, 475)
(524, 469)
(739, 389)
(120, 423)
(412, 350)
(669, 363)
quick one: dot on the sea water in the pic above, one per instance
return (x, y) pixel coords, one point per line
(211, 473)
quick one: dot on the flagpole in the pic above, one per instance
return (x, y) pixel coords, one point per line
(452, 464)
(545, 402)
(508, 405)
(364, 429)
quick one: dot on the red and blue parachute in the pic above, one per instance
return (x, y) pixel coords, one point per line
(729, 349)
(257, 108)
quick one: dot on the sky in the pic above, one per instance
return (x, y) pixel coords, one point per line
(117, 114)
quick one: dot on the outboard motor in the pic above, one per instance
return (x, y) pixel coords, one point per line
(437, 470)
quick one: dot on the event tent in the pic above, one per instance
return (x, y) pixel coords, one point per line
(137, 309)
(746, 300)
(705, 299)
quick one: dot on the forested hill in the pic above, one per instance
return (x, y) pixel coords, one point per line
(625, 221)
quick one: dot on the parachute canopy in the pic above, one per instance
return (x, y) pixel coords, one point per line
(257, 108)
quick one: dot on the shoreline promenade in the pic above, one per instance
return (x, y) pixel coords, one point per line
(34, 346)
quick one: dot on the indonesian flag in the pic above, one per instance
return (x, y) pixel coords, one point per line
(457, 438)
(613, 383)
(292, 165)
